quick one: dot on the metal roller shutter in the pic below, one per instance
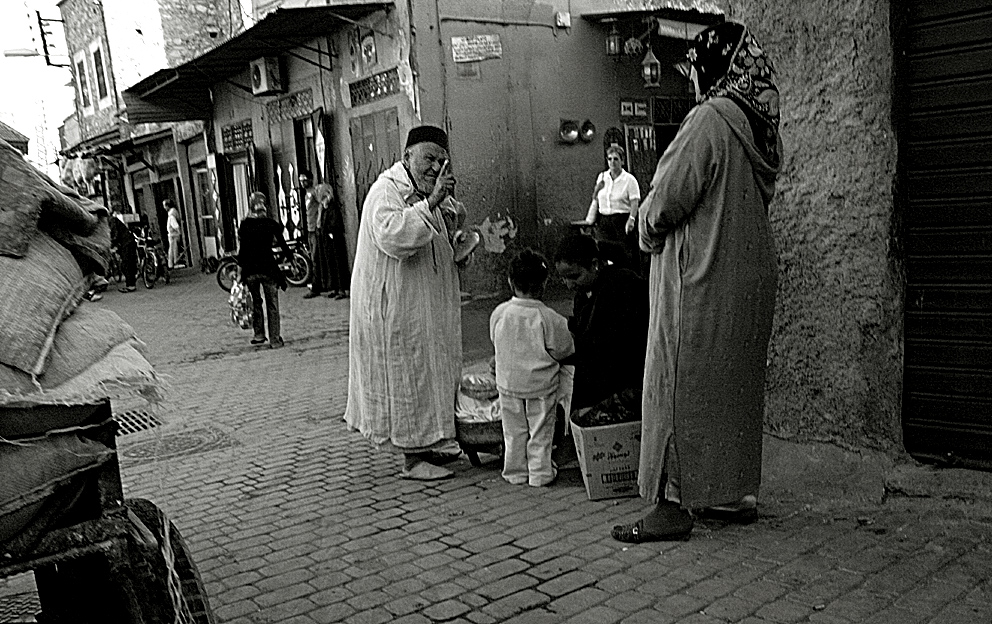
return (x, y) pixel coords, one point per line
(943, 112)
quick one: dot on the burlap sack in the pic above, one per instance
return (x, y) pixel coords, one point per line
(80, 341)
(30, 201)
(32, 469)
(21, 195)
(37, 292)
(122, 373)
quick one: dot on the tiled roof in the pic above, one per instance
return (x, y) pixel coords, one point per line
(10, 135)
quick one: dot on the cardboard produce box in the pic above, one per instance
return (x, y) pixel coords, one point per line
(608, 458)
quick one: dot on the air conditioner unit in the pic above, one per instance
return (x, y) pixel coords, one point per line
(266, 78)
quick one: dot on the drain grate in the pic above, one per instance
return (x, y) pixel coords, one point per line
(133, 421)
(168, 446)
(17, 608)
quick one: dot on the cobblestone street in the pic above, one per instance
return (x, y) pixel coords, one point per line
(294, 519)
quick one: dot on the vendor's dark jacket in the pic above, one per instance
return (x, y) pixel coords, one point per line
(258, 235)
(120, 236)
(610, 328)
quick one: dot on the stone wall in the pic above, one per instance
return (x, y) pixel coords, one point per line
(191, 28)
(835, 362)
(83, 26)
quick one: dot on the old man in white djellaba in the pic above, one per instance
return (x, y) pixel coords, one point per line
(405, 341)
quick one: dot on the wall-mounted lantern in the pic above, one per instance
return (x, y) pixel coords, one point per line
(651, 69)
(613, 41)
(587, 131)
(568, 131)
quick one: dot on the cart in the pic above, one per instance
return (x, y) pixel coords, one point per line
(100, 558)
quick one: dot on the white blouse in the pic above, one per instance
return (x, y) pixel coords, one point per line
(615, 196)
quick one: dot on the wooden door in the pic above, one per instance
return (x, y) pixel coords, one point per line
(375, 146)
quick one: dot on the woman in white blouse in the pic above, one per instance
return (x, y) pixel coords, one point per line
(615, 200)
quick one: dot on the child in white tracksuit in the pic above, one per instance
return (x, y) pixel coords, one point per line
(530, 340)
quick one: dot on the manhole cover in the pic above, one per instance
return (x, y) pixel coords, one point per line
(179, 444)
(133, 421)
(17, 608)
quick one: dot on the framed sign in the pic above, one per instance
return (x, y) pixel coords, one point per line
(635, 110)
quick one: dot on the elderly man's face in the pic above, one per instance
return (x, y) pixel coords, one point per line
(304, 181)
(424, 160)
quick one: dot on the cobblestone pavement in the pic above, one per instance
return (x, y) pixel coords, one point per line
(293, 519)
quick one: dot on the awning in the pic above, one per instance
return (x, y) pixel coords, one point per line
(183, 93)
(678, 19)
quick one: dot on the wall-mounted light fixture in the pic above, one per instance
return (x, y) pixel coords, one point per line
(587, 131)
(568, 131)
(613, 42)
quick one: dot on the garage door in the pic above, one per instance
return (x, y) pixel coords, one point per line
(943, 109)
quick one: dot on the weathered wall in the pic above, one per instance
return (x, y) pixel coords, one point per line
(84, 26)
(190, 28)
(835, 362)
(520, 183)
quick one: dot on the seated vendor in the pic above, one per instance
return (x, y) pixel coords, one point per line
(609, 322)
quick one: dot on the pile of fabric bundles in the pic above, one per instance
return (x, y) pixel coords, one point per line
(56, 358)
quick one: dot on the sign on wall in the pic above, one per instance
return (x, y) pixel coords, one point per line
(476, 48)
(236, 136)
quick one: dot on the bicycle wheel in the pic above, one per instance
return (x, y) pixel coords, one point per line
(149, 271)
(114, 272)
(299, 269)
(170, 594)
(227, 272)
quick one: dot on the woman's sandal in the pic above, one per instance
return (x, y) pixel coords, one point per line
(635, 534)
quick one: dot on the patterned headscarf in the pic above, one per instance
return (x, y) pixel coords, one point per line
(730, 63)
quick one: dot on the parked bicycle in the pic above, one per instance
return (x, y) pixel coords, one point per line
(115, 272)
(152, 263)
(298, 268)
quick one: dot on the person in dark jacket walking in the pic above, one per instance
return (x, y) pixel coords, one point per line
(123, 241)
(260, 271)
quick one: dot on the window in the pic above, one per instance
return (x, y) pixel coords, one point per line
(82, 83)
(101, 79)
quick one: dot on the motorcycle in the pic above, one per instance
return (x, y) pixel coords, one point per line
(298, 267)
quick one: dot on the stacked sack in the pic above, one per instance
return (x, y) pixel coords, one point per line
(53, 242)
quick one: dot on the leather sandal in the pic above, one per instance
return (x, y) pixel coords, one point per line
(635, 534)
(423, 471)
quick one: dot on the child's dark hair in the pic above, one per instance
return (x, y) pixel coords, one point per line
(578, 249)
(529, 271)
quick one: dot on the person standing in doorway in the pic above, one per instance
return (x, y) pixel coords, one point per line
(405, 343)
(314, 217)
(175, 232)
(337, 275)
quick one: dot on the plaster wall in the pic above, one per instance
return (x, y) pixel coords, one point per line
(134, 28)
(835, 361)
(520, 183)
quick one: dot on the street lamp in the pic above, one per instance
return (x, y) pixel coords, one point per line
(30, 53)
